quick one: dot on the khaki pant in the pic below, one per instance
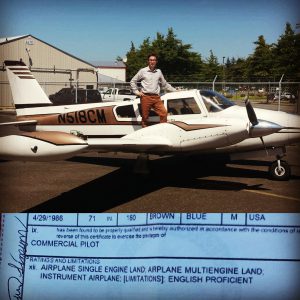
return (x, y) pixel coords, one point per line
(152, 101)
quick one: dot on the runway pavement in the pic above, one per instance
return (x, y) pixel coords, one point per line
(106, 182)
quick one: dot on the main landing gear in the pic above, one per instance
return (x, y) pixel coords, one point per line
(141, 166)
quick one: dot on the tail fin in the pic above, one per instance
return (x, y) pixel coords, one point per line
(25, 89)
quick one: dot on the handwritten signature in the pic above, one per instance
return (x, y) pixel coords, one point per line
(15, 283)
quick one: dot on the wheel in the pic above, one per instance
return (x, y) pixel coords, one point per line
(281, 172)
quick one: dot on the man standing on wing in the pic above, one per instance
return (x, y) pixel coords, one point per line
(151, 80)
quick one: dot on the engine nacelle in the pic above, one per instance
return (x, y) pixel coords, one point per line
(194, 135)
(41, 146)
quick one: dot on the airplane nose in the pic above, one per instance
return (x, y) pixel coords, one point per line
(294, 128)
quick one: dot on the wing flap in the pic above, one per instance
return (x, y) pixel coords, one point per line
(143, 140)
(128, 144)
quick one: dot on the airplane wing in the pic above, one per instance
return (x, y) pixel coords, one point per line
(176, 137)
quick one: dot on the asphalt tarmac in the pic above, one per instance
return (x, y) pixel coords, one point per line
(107, 183)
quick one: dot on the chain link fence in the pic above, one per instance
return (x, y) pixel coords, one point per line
(266, 92)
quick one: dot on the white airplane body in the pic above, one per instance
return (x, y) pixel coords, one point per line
(198, 122)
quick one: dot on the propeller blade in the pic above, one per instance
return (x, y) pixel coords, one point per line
(251, 113)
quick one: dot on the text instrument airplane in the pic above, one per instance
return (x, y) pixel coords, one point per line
(198, 122)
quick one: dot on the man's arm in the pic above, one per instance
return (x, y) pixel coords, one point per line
(134, 81)
(166, 85)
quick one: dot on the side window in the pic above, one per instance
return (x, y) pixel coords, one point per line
(183, 106)
(108, 92)
(126, 111)
(124, 92)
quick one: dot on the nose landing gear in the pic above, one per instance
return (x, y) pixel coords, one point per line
(280, 169)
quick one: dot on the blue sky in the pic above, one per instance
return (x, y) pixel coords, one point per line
(102, 30)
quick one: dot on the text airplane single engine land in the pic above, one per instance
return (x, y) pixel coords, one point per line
(199, 121)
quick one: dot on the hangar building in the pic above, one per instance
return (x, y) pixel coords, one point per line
(116, 70)
(52, 67)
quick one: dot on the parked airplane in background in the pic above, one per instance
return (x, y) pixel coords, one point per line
(198, 122)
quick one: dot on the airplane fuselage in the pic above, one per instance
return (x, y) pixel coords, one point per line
(116, 120)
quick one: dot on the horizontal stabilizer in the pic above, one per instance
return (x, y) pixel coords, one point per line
(41, 146)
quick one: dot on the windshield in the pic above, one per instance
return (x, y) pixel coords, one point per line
(214, 101)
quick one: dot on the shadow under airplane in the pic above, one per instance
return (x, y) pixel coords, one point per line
(123, 185)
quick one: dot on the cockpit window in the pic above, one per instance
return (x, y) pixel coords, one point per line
(214, 101)
(183, 106)
(125, 111)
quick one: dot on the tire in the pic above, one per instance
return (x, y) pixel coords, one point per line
(282, 173)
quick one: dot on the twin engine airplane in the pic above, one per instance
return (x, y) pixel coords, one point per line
(198, 122)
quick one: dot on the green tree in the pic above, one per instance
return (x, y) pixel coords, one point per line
(287, 54)
(212, 67)
(237, 70)
(260, 63)
(179, 63)
(135, 58)
(176, 59)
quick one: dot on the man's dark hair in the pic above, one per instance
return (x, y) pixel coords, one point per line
(152, 54)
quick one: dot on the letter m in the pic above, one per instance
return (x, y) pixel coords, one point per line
(234, 216)
(101, 116)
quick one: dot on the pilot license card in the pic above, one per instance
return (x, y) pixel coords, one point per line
(150, 256)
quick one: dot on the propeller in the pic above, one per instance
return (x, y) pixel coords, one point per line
(260, 128)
